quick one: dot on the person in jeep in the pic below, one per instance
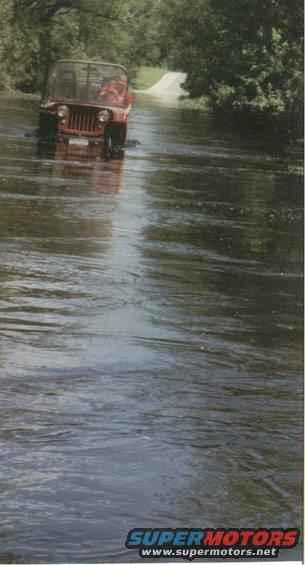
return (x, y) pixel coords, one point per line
(116, 93)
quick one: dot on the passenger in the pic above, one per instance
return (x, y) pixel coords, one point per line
(114, 92)
(125, 94)
(109, 93)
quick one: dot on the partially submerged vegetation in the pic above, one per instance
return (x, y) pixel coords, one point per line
(243, 58)
(202, 103)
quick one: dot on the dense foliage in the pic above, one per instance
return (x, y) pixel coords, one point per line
(242, 56)
(34, 33)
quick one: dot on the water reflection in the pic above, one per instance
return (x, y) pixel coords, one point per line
(223, 255)
(150, 337)
(75, 162)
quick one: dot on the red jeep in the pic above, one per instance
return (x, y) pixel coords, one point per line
(85, 103)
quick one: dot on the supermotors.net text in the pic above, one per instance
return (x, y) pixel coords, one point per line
(193, 553)
(221, 543)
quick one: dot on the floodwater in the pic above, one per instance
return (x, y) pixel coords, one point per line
(151, 333)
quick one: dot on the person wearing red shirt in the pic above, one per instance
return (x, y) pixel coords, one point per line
(116, 93)
(125, 95)
(109, 93)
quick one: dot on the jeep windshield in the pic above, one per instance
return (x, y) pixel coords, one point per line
(82, 82)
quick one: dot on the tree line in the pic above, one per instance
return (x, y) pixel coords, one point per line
(35, 33)
(242, 56)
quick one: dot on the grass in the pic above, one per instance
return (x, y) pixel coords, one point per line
(201, 103)
(148, 76)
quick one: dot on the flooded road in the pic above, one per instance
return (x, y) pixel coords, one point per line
(151, 337)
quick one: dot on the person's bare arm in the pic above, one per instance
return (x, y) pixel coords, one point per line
(127, 110)
(129, 101)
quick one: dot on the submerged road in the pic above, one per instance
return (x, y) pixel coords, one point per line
(170, 85)
(151, 336)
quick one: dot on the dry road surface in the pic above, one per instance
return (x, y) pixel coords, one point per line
(168, 86)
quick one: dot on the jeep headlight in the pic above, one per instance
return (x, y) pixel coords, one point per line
(103, 116)
(62, 111)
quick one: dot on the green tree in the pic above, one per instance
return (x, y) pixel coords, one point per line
(37, 32)
(245, 56)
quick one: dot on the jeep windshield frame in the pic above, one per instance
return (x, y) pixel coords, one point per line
(79, 82)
